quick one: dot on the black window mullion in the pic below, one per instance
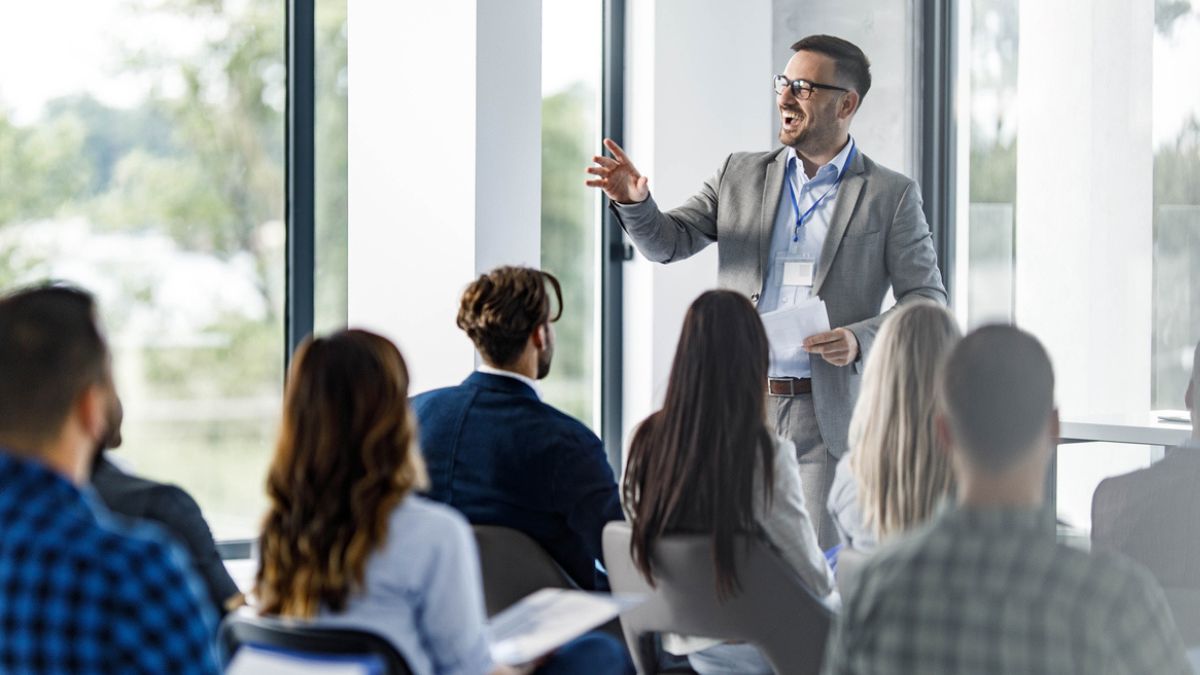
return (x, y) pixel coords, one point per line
(612, 242)
(301, 183)
(938, 129)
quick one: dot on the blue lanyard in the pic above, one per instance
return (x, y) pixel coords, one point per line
(801, 217)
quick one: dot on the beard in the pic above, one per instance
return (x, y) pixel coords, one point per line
(544, 360)
(795, 139)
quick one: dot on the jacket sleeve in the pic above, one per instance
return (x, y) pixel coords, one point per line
(678, 233)
(911, 265)
(181, 516)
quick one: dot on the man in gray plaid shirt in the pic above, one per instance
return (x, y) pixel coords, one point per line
(984, 587)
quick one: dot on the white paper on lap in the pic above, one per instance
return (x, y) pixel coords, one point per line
(547, 619)
(250, 660)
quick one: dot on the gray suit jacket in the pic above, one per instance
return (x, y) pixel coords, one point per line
(877, 238)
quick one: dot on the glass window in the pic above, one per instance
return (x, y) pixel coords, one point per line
(571, 69)
(1176, 137)
(142, 157)
(1082, 217)
(332, 189)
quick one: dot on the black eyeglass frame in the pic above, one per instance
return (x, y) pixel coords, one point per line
(781, 82)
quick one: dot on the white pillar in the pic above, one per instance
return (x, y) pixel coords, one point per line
(698, 88)
(445, 166)
(1084, 241)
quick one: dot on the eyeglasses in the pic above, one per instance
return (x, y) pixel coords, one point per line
(801, 89)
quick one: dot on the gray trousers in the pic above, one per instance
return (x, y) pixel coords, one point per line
(796, 420)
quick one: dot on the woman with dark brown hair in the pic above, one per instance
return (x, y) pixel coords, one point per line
(345, 542)
(708, 462)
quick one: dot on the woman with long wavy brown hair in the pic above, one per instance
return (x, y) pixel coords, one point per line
(708, 463)
(345, 459)
(345, 542)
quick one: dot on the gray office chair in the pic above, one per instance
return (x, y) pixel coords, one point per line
(774, 611)
(513, 566)
(1185, 605)
(300, 639)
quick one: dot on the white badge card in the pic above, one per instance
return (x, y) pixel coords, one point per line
(798, 273)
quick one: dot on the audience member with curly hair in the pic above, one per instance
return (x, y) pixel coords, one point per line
(501, 455)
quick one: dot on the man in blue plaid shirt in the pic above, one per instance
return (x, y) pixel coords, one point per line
(984, 587)
(79, 592)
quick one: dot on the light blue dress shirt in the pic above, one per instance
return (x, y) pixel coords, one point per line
(423, 592)
(811, 239)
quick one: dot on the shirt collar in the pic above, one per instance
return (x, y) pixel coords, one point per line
(532, 384)
(838, 163)
(1039, 520)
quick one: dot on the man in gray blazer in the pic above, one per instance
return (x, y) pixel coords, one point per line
(816, 218)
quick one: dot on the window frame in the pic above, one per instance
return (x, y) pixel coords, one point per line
(938, 136)
(614, 249)
(300, 168)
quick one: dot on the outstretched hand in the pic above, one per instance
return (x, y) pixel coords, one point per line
(617, 176)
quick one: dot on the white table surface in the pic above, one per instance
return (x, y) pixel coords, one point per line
(242, 570)
(1144, 429)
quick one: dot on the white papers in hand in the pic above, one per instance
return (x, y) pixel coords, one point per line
(546, 620)
(787, 328)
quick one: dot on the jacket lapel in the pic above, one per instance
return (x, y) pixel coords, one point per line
(772, 193)
(843, 210)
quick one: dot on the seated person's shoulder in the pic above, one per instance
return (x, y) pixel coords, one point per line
(570, 427)
(434, 397)
(417, 517)
(137, 497)
(897, 561)
(1108, 573)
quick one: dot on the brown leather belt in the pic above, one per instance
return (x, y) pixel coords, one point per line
(789, 386)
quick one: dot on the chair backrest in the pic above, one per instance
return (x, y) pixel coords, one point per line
(513, 566)
(301, 639)
(774, 610)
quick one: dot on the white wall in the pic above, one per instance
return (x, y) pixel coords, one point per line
(1084, 240)
(698, 88)
(886, 127)
(445, 166)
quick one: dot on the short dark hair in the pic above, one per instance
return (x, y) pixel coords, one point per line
(997, 388)
(51, 350)
(501, 309)
(851, 62)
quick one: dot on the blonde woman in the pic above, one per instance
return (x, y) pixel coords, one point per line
(895, 473)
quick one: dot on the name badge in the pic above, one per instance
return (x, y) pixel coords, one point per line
(798, 273)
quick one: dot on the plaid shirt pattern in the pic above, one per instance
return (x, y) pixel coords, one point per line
(991, 591)
(80, 593)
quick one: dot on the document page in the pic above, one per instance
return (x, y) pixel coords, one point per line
(252, 660)
(787, 328)
(548, 619)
